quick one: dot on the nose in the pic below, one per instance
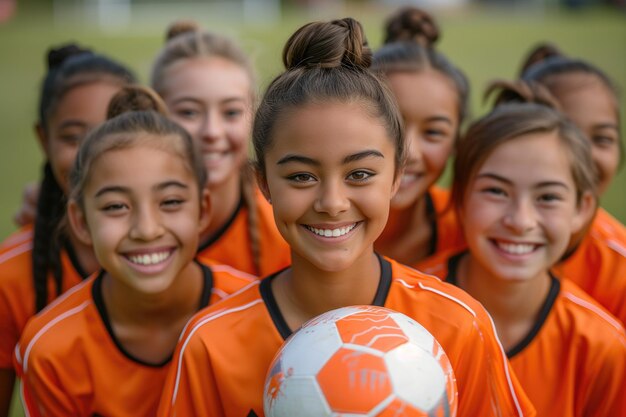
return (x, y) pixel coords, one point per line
(146, 225)
(521, 216)
(332, 199)
(212, 126)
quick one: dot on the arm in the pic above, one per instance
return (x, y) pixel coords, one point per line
(7, 382)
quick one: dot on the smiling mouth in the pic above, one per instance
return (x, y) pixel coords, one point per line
(338, 232)
(149, 258)
(516, 248)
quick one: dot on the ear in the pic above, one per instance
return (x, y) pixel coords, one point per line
(262, 183)
(78, 222)
(396, 184)
(205, 210)
(585, 212)
(42, 137)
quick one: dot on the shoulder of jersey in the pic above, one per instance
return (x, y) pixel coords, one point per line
(17, 238)
(589, 315)
(221, 269)
(608, 230)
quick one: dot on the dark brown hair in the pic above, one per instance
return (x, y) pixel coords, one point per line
(326, 61)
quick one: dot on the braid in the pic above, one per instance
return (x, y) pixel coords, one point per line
(248, 192)
(46, 246)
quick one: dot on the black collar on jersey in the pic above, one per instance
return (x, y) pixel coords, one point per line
(431, 215)
(279, 320)
(71, 253)
(553, 293)
(215, 237)
(98, 299)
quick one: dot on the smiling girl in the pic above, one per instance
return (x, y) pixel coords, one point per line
(329, 151)
(138, 197)
(524, 182)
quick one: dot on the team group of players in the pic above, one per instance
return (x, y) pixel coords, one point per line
(162, 269)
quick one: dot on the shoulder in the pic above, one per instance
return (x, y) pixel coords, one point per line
(16, 266)
(607, 230)
(226, 279)
(588, 317)
(437, 264)
(58, 325)
(435, 295)
(23, 235)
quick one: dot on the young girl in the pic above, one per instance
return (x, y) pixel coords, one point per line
(596, 258)
(37, 264)
(330, 148)
(207, 83)
(524, 182)
(138, 197)
(432, 97)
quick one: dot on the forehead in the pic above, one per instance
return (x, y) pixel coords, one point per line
(530, 158)
(86, 103)
(329, 131)
(424, 93)
(206, 78)
(584, 93)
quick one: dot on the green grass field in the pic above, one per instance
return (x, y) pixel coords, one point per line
(487, 44)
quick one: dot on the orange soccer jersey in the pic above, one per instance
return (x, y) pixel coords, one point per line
(221, 361)
(449, 233)
(232, 245)
(598, 265)
(573, 361)
(72, 364)
(17, 293)
(17, 238)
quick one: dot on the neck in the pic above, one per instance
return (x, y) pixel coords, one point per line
(224, 200)
(513, 305)
(126, 305)
(304, 291)
(407, 234)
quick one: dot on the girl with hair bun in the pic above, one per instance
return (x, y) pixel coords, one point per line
(432, 96)
(596, 257)
(138, 197)
(208, 85)
(524, 181)
(329, 149)
(39, 262)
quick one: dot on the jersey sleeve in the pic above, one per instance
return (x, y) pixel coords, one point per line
(604, 391)
(190, 389)
(42, 388)
(487, 383)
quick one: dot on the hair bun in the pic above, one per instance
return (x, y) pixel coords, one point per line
(413, 25)
(135, 98)
(540, 53)
(520, 92)
(57, 56)
(181, 27)
(328, 45)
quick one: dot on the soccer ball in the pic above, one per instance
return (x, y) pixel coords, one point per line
(360, 361)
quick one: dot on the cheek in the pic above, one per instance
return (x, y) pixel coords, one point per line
(436, 156)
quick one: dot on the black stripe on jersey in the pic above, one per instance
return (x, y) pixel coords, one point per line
(71, 253)
(553, 293)
(252, 414)
(431, 215)
(218, 234)
(98, 299)
(279, 320)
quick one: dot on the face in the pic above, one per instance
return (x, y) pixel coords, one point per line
(79, 111)
(142, 215)
(593, 108)
(518, 221)
(211, 99)
(330, 178)
(428, 102)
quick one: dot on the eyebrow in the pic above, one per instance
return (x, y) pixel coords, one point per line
(310, 161)
(509, 182)
(606, 126)
(199, 101)
(126, 190)
(72, 123)
(440, 119)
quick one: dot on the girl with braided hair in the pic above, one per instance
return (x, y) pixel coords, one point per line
(39, 263)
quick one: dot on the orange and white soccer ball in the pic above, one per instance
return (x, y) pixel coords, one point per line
(361, 361)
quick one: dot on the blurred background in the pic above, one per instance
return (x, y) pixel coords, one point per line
(487, 39)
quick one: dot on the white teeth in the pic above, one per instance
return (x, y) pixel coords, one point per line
(332, 232)
(149, 259)
(516, 248)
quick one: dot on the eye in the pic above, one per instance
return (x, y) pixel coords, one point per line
(114, 207)
(301, 177)
(187, 113)
(233, 113)
(603, 141)
(549, 198)
(172, 203)
(360, 176)
(73, 139)
(495, 191)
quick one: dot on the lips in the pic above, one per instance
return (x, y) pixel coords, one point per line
(150, 258)
(332, 231)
